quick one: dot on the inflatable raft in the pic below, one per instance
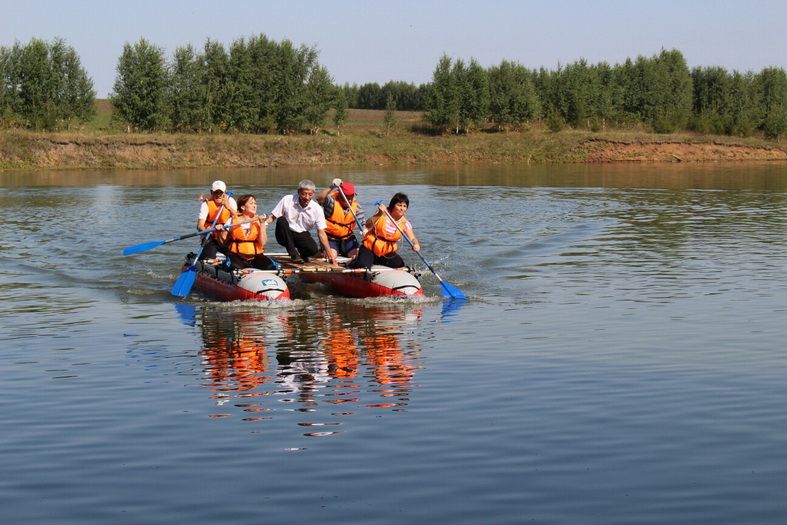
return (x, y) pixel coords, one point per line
(378, 281)
(213, 279)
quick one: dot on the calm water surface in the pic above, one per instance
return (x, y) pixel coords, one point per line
(621, 359)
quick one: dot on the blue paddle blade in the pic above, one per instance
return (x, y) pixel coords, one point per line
(145, 246)
(452, 291)
(183, 285)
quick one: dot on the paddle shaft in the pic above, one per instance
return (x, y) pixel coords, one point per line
(145, 246)
(349, 206)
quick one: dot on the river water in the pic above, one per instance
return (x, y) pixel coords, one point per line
(621, 358)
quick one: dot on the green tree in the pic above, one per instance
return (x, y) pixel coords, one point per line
(6, 88)
(405, 95)
(607, 97)
(658, 91)
(140, 89)
(214, 80)
(772, 94)
(78, 95)
(743, 102)
(370, 96)
(318, 98)
(340, 109)
(38, 107)
(473, 84)
(668, 92)
(680, 91)
(188, 101)
(242, 102)
(544, 84)
(632, 85)
(422, 94)
(263, 59)
(292, 68)
(389, 120)
(444, 97)
(351, 95)
(512, 96)
(10, 99)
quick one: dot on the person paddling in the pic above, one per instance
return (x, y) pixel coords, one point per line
(381, 238)
(295, 215)
(246, 240)
(342, 214)
(220, 208)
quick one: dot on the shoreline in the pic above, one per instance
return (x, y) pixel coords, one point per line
(21, 149)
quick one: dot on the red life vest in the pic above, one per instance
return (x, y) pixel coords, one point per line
(341, 223)
(382, 238)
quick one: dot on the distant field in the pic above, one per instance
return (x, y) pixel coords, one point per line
(373, 118)
(101, 122)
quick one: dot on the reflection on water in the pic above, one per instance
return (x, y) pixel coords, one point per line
(744, 175)
(624, 336)
(343, 357)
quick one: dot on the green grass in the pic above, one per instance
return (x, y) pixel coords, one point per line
(102, 118)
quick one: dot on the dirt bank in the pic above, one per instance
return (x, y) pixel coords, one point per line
(600, 150)
(22, 149)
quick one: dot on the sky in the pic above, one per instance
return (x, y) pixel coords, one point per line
(377, 41)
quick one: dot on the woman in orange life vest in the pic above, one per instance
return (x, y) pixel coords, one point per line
(381, 237)
(340, 217)
(245, 242)
(209, 209)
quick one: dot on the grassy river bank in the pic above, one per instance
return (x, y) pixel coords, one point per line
(364, 141)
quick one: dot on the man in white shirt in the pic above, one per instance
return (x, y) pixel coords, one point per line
(295, 215)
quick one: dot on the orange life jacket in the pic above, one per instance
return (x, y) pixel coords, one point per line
(213, 210)
(341, 223)
(383, 236)
(244, 242)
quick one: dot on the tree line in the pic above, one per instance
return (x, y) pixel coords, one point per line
(371, 95)
(257, 85)
(660, 92)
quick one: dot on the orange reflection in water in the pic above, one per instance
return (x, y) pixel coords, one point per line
(342, 352)
(234, 358)
(347, 354)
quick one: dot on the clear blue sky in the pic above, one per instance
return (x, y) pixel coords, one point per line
(376, 41)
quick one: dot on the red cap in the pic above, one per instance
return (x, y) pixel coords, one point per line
(347, 188)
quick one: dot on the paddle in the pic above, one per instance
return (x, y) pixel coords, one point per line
(449, 290)
(145, 246)
(186, 279)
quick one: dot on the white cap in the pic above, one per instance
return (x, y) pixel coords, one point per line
(218, 185)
